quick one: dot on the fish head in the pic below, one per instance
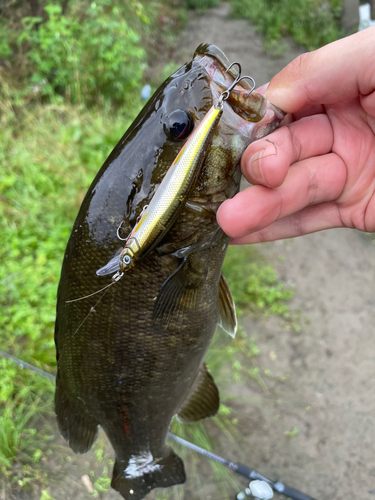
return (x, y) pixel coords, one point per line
(248, 113)
(188, 95)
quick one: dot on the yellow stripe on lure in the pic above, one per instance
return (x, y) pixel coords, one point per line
(157, 218)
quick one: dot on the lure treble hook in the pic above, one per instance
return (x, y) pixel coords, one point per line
(224, 96)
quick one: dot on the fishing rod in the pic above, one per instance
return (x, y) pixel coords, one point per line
(244, 470)
(238, 467)
(23, 364)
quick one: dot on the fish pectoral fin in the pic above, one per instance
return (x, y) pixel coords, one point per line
(192, 243)
(180, 290)
(227, 310)
(135, 482)
(203, 401)
(200, 208)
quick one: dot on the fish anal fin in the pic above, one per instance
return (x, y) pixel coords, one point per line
(203, 401)
(133, 482)
(79, 430)
(227, 310)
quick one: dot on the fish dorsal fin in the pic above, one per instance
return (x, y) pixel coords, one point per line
(203, 401)
(227, 310)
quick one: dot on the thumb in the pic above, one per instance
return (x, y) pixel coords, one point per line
(337, 72)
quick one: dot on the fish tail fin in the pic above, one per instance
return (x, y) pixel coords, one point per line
(134, 482)
(75, 426)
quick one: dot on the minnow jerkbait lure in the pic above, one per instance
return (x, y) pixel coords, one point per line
(157, 218)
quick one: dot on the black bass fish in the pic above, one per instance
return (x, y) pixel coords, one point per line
(133, 359)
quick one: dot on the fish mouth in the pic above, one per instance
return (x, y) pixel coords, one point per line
(246, 112)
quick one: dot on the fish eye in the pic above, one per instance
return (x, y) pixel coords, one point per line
(178, 125)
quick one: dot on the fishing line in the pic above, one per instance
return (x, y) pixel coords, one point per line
(91, 294)
(92, 309)
(96, 303)
(239, 468)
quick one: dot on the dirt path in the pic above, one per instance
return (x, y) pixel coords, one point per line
(236, 38)
(330, 363)
(329, 394)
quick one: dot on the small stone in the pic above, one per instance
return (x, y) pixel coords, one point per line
(86, 481)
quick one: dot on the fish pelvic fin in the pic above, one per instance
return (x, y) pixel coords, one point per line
(227, 310)
(74, 424)
(133, 480)
(203, 400)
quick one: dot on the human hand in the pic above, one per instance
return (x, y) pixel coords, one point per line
(318, 171)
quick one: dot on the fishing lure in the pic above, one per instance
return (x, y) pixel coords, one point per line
(157, 218)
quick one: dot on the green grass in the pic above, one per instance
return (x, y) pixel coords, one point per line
(255, 285)
(25, 430)
(311, 23)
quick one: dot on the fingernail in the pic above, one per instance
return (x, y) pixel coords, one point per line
(262, 88)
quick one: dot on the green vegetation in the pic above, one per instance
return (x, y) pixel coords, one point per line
(311, 23)
(291, 434)
(90, 60)
(70, 81)
(84, 52)
(255, 284)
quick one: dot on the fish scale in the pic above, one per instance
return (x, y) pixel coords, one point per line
(132, 356)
